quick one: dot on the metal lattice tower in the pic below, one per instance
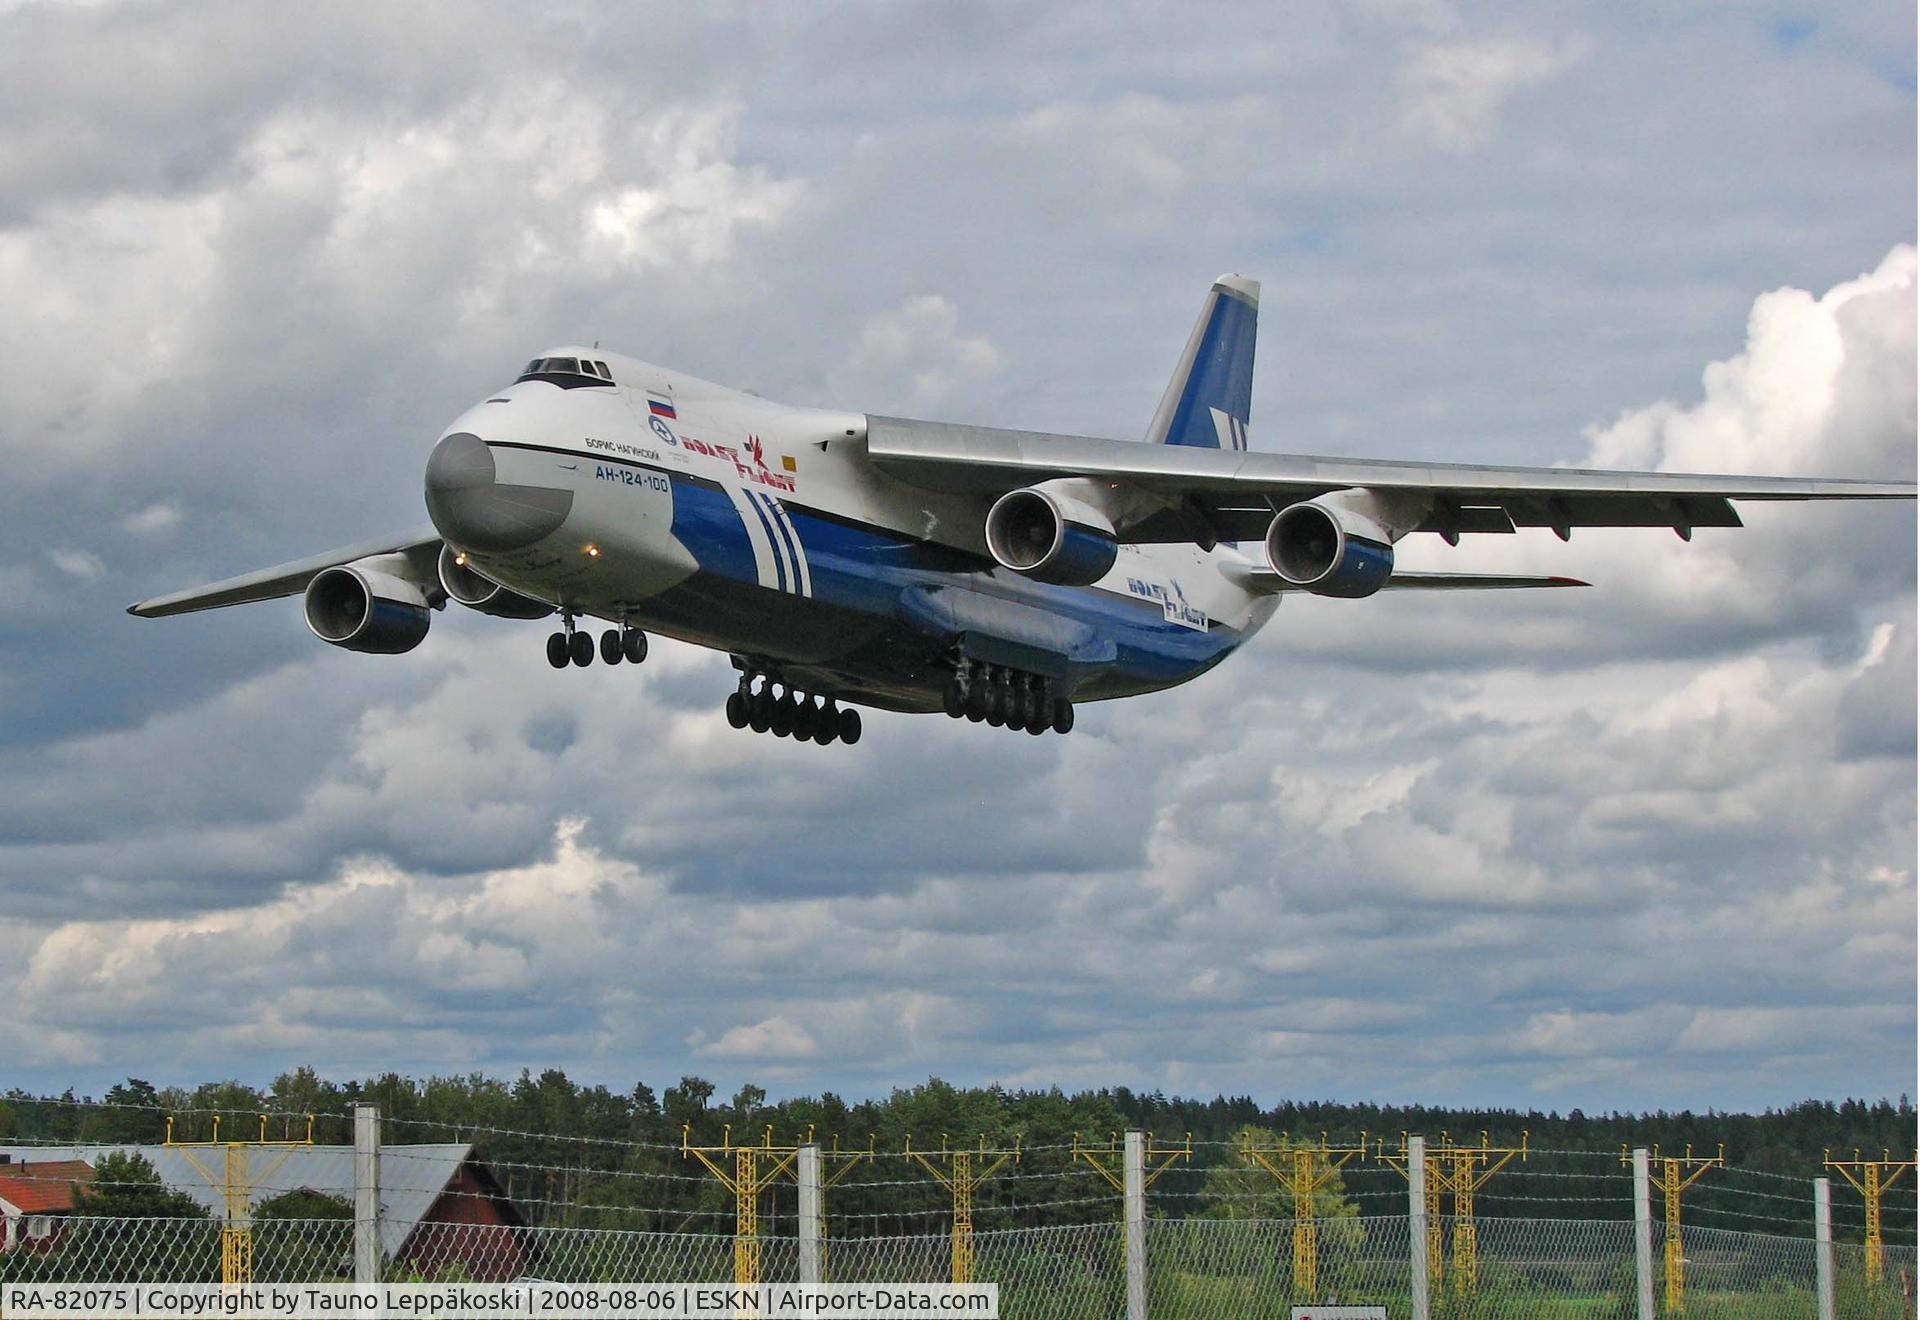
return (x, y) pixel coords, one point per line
(753, 1169)
(237, 1180)
(1471, 1169)
(1304, 1169)
(1673, 1174)
(1870, 1178)
(962, 1177)
(1108, 1159)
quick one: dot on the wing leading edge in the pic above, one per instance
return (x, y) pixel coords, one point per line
(284, 579)
(1235, 493)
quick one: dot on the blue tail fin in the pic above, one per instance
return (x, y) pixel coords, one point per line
(1210, 397)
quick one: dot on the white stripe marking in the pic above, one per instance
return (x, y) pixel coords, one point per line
(799, 550)
(763, 566)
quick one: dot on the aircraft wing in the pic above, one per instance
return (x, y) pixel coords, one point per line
(1232, 494)
(286, 579)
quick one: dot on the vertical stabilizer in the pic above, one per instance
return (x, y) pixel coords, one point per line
(1210, 397)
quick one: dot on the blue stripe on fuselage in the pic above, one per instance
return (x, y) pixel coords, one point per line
(859, 567)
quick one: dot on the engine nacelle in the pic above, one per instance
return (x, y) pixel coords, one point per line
(363, 608)
(1051, 536)
(1331, 551)
(459, 580)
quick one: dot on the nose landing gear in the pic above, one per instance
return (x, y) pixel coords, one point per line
(572, 646)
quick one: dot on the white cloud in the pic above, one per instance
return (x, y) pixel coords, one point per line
(1390, 841)
(1456, 90)
(918, 354)
(159, 516)
(77, 563)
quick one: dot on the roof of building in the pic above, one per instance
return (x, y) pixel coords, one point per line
(411, 1177)
(36, 1196)
(65, 1171)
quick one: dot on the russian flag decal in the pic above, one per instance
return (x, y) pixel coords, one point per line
(660, 407)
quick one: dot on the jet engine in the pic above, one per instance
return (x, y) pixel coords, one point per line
(1322, 547)
(363, 607)
(459, 580)
(1049, 535)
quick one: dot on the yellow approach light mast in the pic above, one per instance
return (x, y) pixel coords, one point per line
(1870, 1178)
(1472, 1167)
(1435, 1186)
(1110, 1159)
(1673, 1174)
(961, 1171)
(746, 1171)
(1304, 1168)
(237, 1179)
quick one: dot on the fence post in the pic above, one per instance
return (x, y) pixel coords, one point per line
(1823, 1245)
(1643, 1232)
(366, 1194)
(807, 1170)
(1417, 1224)
(1134, 1187)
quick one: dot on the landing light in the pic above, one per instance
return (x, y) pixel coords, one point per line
(461, 559)
(593, 552)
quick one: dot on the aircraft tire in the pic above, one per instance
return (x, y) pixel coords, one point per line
(760, 711)
(557, 650)
(803, 720)
(826, 729)
(977, 698)
(633, 645)
(849, 727)
(1037, 726)
(610, 646)
(782, 716)
(580, 647)
(1063, 716)
(952, 700)
(736, 710)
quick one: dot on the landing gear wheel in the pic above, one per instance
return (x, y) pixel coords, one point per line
(1039, 720)
(803, 720)
(580, 647)
(736, 710)
(760, 711)
(610, 646)
(782, 721)
(977, 699)
(953, 701)
(1063, 716)
(557, 650)
(849, 727)
(633, 645)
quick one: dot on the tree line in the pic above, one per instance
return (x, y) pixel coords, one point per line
(586, 1154)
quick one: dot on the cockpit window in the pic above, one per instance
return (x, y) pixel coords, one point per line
(568, 373)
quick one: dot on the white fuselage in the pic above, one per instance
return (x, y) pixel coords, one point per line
(714, 516)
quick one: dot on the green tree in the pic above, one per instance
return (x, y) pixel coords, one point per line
(126, 1186)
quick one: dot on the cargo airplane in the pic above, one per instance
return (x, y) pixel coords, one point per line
(845, 559)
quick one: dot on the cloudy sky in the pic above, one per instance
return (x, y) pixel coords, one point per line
(1646, 845)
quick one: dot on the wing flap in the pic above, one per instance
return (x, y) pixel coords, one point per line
(1263, 579)
(282, 579)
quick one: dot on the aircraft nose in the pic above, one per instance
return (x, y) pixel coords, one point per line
(475, 510)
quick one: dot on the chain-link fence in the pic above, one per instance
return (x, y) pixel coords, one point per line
(1133, 1228)
(1194, 1269)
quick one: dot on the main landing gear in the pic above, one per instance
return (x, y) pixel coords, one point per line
(1006, 698)
(574, 647)
(791, 714)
